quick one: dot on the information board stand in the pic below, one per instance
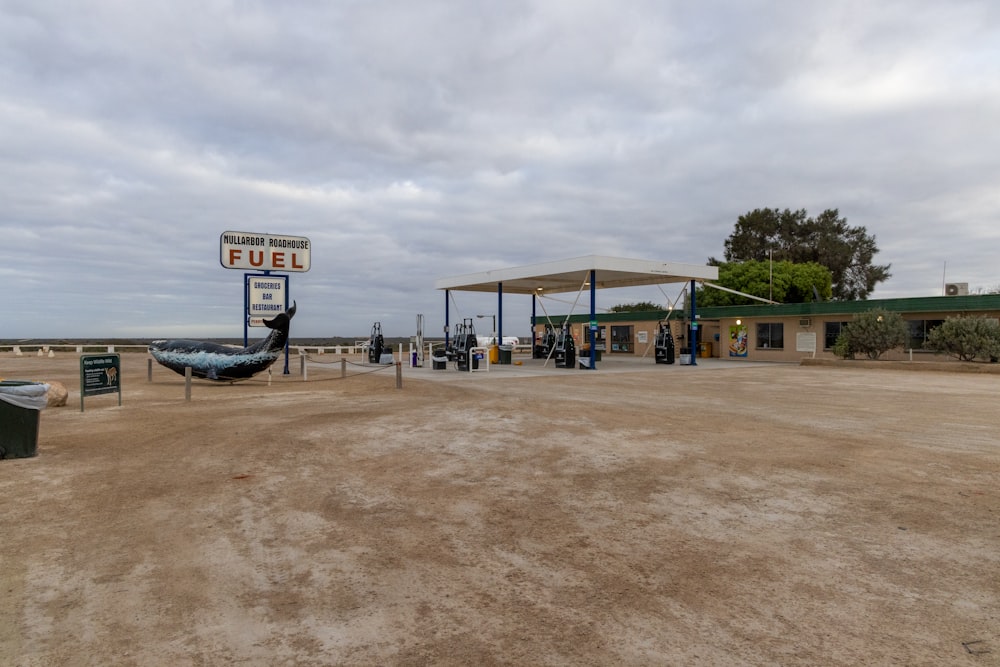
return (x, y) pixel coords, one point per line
(100, 374)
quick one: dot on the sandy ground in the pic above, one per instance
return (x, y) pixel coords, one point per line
(724, 514)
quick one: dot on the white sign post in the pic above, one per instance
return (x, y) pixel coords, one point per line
(266, 297)
(264, 252)
(805, 341)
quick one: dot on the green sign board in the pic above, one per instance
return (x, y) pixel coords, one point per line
(100, 374)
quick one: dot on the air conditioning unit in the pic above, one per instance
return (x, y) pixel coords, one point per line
(805, 322)
(956, 289)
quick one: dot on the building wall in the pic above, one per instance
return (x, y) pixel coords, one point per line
(742, 339)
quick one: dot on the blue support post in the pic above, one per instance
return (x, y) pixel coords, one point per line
(446, 319)
(593, 318)
(499, 313)
(693, 333)
(534, 320)
(288, 288)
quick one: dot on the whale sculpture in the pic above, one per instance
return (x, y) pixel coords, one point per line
(213, 361)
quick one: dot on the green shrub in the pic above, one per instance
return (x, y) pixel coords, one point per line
(966, 338)
(842, 347)
(872, 333)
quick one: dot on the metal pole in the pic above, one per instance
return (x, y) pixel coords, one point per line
(593, 318)
(499, 332)
(693, 337)
(399, 375)
(446, 319)
(287, 340)
(187, 383)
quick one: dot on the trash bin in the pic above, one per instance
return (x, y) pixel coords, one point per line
(685, 356)
(704, 350)
(439, 363)
(20, 405)
(506, 352)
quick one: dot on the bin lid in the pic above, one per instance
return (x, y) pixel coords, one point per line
(24, 393)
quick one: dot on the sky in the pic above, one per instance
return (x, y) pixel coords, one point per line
(412, 141)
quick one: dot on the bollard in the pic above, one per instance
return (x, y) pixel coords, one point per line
(399, 375)
(149, 370)
(187, 383)
(268, 377)
(303, 369)
(343, 367)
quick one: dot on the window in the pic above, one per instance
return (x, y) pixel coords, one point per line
(917, 330)
(621, 338)
(771, 336)
(831, 330)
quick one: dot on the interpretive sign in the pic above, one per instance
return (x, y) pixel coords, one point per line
(267, 296)
(805, 341)
(100, 374)
(264, 252)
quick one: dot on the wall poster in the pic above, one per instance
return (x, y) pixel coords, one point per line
(738, 340)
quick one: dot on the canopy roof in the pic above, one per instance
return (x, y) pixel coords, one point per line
(573, 275)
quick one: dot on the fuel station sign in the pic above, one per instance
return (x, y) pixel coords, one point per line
(264, 252)
(267, 296)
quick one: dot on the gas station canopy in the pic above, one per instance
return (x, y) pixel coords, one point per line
(573, 275)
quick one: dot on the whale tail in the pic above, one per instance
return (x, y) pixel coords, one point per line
(282, 320)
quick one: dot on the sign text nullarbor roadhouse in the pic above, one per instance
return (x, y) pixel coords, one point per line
(264, 252)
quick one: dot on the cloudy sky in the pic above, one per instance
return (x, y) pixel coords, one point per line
(415, 140)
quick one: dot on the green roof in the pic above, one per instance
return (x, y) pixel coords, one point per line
(929, 304)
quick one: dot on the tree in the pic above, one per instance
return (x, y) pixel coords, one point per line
(966, 338)
(784, 282)
(872, 333)
(639, 307)
(848, 252)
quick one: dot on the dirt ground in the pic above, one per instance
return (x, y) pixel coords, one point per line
(724, 514)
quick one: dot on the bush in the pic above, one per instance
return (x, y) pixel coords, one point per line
(966, 338)
(842, 347)
(872, 333)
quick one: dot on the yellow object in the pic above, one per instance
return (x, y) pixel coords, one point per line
(494, 354)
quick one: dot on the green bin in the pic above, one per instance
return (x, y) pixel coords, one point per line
(18, 424)
(505, 353)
